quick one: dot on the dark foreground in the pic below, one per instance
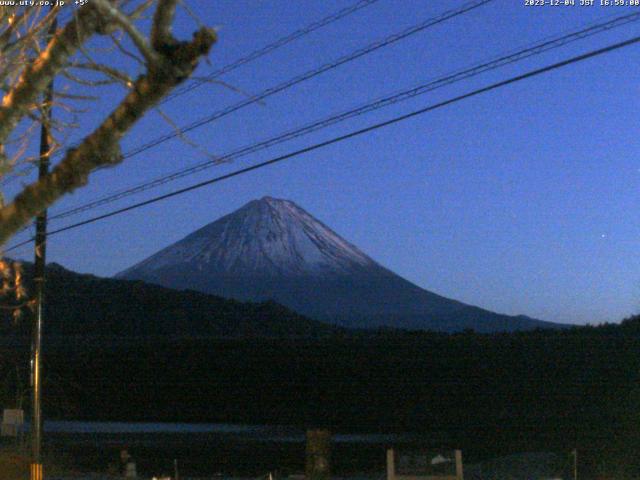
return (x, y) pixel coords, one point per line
(220, 455)
(489, 395)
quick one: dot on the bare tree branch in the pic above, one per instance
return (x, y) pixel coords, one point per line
(161, 36)
(36, 77)
(106, 8)
(101, 148)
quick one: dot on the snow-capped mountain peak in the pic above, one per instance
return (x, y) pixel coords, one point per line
(264, 237)
(271, 249)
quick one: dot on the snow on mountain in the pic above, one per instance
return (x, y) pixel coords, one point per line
(271, 249)
(265, 237)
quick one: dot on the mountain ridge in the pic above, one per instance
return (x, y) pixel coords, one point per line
(266, 217)
(85, 305)
(273, 249)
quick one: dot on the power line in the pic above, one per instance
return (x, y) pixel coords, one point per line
(391, 39)
(449, 14)
(307, 75)
(270, 47)
(281, 42)
(349, 135)
(476, 69)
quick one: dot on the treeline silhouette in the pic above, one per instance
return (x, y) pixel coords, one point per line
(489, 394)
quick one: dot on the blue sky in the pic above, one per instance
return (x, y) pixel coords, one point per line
(523, 200)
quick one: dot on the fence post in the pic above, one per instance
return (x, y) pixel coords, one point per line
(459, 472)
(391, 466)
(318, 461)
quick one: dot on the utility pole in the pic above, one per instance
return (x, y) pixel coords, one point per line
(39, 283)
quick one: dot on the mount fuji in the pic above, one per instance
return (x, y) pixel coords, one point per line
(271, 249)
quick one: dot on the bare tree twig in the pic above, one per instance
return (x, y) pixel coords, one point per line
(37, 76)
(101, 148)
(140, 41)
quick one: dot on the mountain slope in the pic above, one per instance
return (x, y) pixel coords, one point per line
(273, 249)
(85, 305)
(266, 237)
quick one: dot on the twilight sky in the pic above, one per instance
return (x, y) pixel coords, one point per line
(524, 200)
